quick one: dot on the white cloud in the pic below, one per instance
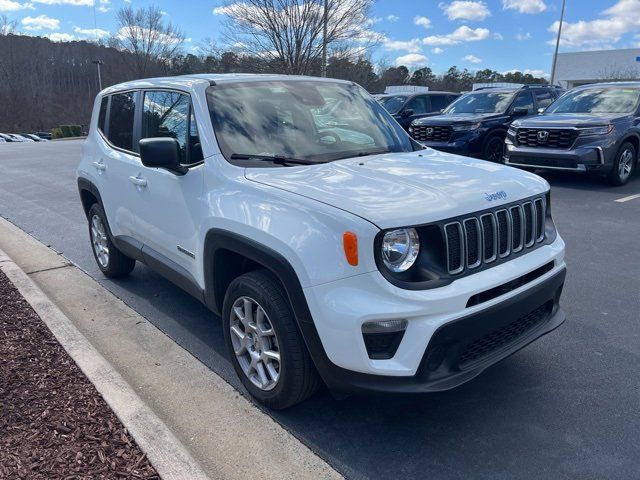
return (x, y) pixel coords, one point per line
(11, 6)
(466, 10)
(75, 3)
(622, 18)
(525, 6)
(412, 59)
(472, 59)
(497, 36)
(422, 21)
(392, 18)
(461, 34)
(91, 32)
(523, 36)
(411, 46)
(437, 50)
(41, 22)
(60, 37)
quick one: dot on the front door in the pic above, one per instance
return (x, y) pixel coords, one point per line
(168, 206)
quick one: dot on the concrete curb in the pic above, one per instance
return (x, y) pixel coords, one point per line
(170, 458)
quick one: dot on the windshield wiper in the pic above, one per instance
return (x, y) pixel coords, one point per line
(279, 159)
(378, 151)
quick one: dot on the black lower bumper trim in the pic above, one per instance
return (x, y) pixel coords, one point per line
(460, 350)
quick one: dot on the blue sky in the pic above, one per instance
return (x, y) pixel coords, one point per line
(499, 34)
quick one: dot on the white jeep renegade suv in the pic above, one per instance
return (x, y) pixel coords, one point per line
(333, 247)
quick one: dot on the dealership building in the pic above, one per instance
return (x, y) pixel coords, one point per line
(581, 68)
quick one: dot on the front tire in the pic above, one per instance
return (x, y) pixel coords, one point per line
(623, 165)
(494, 149)
(111, 261)
(264, 343)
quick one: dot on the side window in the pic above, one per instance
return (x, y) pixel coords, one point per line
(102, 115)
(453, 98)
(544, 98)
(166, 114)
(524, 100)
(121, 116)
(439, 102)
(418, 105)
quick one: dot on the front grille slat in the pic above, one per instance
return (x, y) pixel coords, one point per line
(476, 240)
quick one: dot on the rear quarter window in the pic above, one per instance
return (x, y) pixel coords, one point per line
(102, 115)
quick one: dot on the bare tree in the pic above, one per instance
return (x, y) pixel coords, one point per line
(7, 27)
(150, 40)
(291, 31)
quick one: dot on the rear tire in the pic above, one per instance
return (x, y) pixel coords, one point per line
(111, 261)
(266, 348)
(623, 165)
(494, 149)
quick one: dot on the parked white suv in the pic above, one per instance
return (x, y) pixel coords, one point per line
(334, 247)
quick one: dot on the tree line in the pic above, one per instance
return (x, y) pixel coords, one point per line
(44, 84)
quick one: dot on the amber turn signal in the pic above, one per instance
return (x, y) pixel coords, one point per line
(350, 245)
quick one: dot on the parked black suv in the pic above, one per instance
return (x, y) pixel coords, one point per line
(407, 107)
(476, 123)
(590, 129)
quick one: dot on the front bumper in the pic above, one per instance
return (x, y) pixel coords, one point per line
(460, 146)
(435, 352)
(588, 158)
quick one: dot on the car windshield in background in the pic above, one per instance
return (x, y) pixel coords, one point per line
(393, 104)
(315, 121)
(485, 102)
(597, 100)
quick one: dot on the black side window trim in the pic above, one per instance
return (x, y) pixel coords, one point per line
(105, 134)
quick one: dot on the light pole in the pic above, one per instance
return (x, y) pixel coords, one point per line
(555, 54)
(98, 63)
(323, 70)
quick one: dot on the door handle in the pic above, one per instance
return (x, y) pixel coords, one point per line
(140, 182)
(100, 166)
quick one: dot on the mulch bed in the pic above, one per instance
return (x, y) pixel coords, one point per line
(53, 422)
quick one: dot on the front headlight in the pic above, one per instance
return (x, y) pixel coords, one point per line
(512, 131)
(603, 130)
(400, 249)
(465, 127)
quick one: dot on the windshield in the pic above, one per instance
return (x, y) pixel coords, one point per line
(597, 100)
(393, 104)
(316, 121)
(485, 102)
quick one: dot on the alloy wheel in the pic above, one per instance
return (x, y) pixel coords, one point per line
(625, 165)
(255, 343)
(99, 241)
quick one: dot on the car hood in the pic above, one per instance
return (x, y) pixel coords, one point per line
(452, 118)
(402, 189)
(568, 120)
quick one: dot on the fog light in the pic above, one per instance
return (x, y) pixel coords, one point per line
(384, 326)
(382, 337)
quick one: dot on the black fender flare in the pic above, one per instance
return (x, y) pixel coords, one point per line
(217, 239)
(88, 186)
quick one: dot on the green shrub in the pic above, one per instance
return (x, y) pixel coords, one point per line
(56, 133)
(71, 130)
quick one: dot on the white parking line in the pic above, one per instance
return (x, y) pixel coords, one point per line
(626, 199)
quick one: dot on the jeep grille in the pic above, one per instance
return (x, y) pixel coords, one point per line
(476, 240)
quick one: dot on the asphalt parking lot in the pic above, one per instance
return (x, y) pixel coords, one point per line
(567, 406)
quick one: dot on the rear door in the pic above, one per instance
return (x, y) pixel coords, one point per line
(118, 161)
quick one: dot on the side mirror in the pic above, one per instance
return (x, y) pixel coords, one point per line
(540, 111)
(162, 153)
(407, 112)
(520, 112)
